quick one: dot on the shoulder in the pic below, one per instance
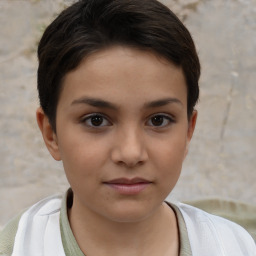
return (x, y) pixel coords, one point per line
(7, 235)
(42, 209)
(209, 232)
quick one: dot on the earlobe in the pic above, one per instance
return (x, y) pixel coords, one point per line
(191, 128)
(49, 136)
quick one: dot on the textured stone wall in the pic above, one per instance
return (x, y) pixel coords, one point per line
(222, 157)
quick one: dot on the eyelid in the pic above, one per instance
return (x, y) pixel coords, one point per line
(88, 116)
(169, 117)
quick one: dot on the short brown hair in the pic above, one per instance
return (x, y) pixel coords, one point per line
(91, 25)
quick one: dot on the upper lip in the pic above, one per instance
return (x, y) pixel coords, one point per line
(128, 181)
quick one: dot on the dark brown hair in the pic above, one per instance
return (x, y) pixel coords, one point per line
(92, 25)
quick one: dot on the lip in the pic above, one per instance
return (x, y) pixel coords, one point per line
(127, 186)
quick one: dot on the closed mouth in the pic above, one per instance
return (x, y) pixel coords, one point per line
(126, 181)
(128, 186)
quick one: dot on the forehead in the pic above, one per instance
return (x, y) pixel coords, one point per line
(121, 72)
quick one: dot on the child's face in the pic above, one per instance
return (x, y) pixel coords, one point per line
(122, 132)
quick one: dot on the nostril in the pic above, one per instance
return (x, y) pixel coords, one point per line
(129, 149)
(129, 160)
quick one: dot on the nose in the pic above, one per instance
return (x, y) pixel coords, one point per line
(130, 149)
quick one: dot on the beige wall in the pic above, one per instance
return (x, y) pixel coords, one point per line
(222, 157)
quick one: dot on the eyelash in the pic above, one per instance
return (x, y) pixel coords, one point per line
(165, 118)
(89, 117)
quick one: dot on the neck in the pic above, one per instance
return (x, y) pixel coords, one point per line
(155, 235)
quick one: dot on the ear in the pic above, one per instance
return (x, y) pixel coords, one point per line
(191, 128)
(49, 136)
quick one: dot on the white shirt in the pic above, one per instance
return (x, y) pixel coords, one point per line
(39, 232)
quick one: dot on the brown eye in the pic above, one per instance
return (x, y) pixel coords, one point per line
(157, 120)
(160, 120)
(95, 120)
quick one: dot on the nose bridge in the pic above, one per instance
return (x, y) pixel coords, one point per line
(130, 148)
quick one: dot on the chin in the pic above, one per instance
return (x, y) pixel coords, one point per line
(131, 213)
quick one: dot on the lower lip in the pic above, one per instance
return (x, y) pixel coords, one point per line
(128, 189)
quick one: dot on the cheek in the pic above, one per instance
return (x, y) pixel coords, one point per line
(170, 150)
(82, 158)
(168, 159)
(171, 160)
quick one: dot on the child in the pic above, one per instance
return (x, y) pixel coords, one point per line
(118, 83)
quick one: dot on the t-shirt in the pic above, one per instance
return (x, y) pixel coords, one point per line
(71, 248)
(44, 229)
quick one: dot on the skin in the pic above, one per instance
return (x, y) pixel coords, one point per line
(141, 131)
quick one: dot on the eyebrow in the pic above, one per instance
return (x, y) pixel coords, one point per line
(95, 103)
(105, 104)
(162, 102)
